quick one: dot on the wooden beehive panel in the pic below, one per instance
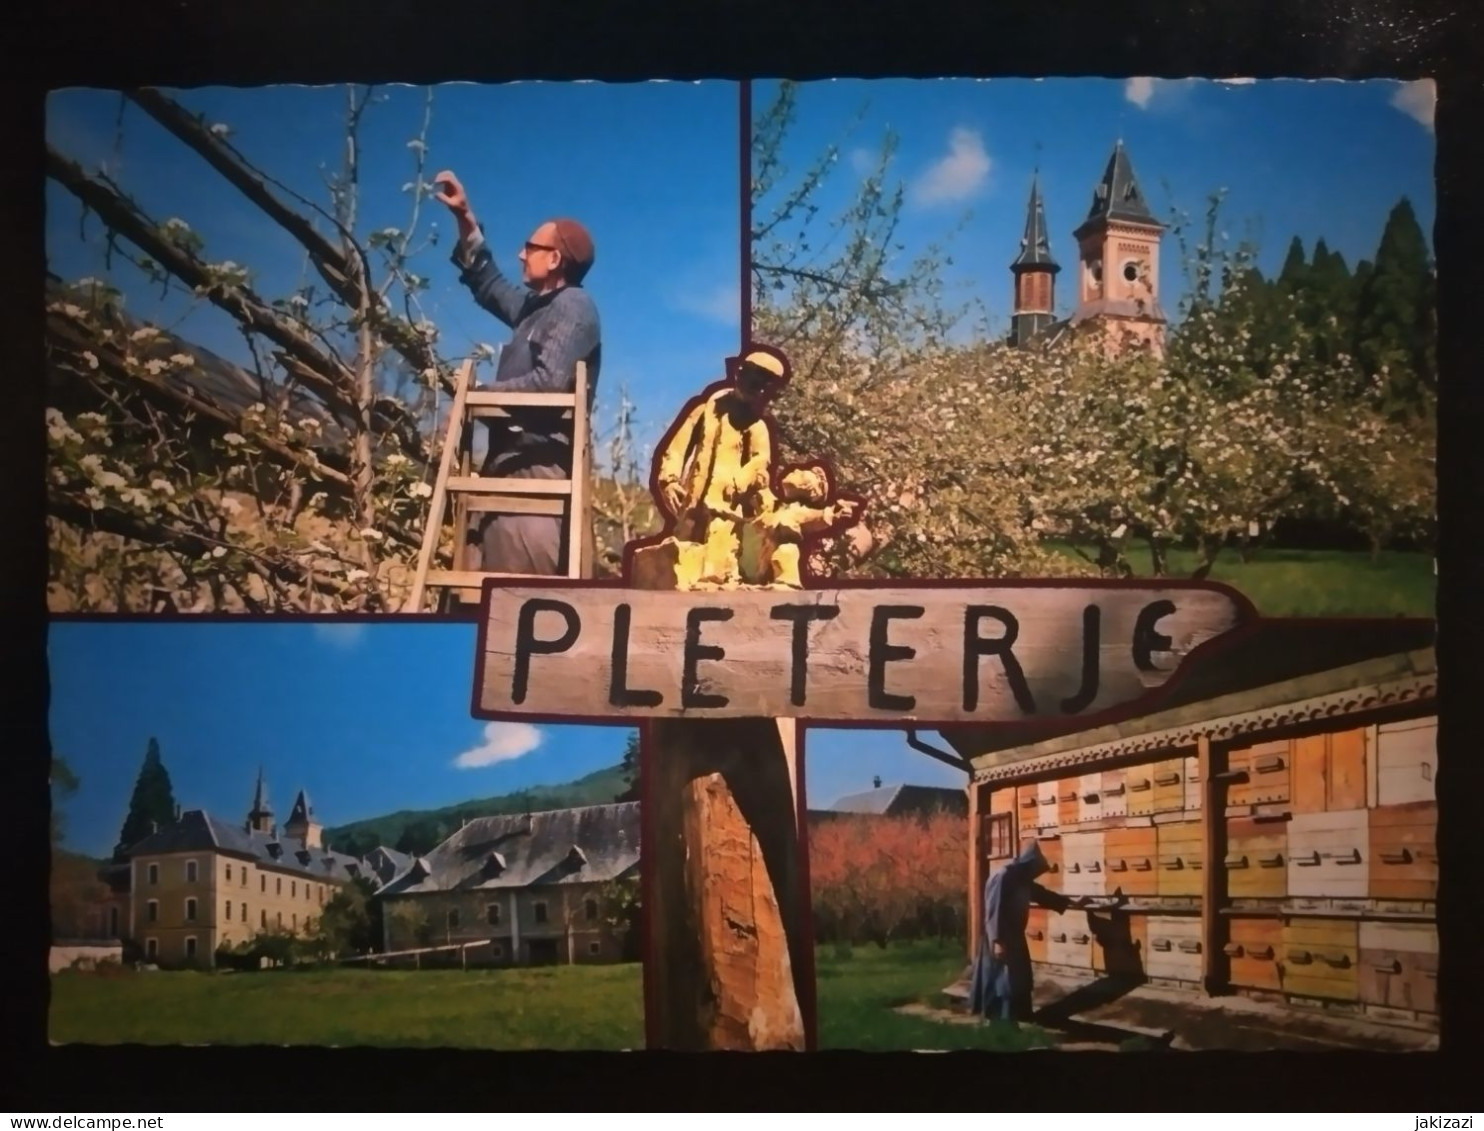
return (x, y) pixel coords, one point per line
(1169, 785)
(1131, 860)
(1180, 859)
(1051, 879)
(1399, 965)
(1256, 859)
(1321, 958)
(1046, 800)
(1090, 797)
(1267, 768)
(1027, 811)
(1115, 794)
(1406, 755)
(1140, 783)
(1068, 801)
(1193, 782)
(1174, 947)
(1070, 940)
(1345, 771)
(1254, 952)
(1308, 776)
(1404, 851)
(1036, 933)
(1329, 855)
(1120, 942)
(1082, 864)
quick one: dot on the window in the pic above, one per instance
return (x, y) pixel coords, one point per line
(590, 909)
(293, 889)
(152, 911)
(497, 950)
(244, 876)
(190, 946)
(280, 918)
(154, 873)
(263, 918)
(278, 886)
(295, 923)
(151, 949)
(244, 911)
(190, 871)
(1000, 834)
(190, 910)
(229, 873)
(539, 910)
(229, 909)
(492, 914)
(306, 893)
(322, 895)
(595, 948)
(263, 884)
(113, 922)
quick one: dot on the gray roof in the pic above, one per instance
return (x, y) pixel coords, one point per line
(199, 831)
(1035, 245)
(592, 844)
(385, 862)
(1118, 195)
(894, 800)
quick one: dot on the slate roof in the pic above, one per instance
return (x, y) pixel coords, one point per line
(199, 831)
(1035, 245)
(591, 844)
(894, 800)
(385, 863)
(1118, 195)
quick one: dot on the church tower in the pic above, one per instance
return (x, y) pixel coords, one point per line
(301, 825)
(260, 816)
(1118, 249)
(1035, 276)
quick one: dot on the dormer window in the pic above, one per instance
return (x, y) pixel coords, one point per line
(275, 849)
(574, 860)
(494, 865)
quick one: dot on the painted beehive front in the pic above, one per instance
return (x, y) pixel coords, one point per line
(1090, 798)
(1407, 756)
(1174, 947)
(1082, 864)
(1169, 785)
(1193, 783)
(1267, 767)
(1329, 855)
(1321, 958)
(1132, 860)
(1180, 859)
(1115, 794)
(1256, 858)
(1254, 952)
(1027, 810)
(1140, 784)
(1036, 933)
(1070, 940)
(1051, 848)
(1329, 772)
(1120, 942)
(1046, 803)
(1399, 965)
(1068, 801)
(1308, 755)
(1404, 851)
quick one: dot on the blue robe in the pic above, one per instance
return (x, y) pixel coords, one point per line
(1000, 989)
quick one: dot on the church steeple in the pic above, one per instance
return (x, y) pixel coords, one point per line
(260, 816)
(301, 824)
(1035, 274)
(1118, 196)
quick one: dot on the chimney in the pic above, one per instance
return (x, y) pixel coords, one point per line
(177, 810)
(876, 781)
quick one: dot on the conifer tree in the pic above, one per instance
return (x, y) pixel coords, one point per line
(153, 801)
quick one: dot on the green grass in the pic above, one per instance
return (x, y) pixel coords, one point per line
(1312, 583)
(554, 1007)
(858, 996)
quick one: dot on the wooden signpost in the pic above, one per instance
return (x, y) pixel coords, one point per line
(719, 644)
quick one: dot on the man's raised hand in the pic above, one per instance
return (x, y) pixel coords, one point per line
(452, 192)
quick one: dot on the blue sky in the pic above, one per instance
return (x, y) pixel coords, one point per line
(651, 168)
(1309, 158)
(368, 718)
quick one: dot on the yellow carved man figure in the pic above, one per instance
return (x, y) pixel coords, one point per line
(715, 475)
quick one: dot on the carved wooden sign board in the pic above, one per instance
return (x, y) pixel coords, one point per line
(943, 654)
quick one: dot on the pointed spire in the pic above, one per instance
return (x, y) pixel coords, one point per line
(301, 811)
(1118, 195)
(1035, 245)
(260, 799)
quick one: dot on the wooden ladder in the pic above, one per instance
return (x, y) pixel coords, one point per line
(474, 494)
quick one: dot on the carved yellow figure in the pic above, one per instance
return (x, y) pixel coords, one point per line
(715, 475)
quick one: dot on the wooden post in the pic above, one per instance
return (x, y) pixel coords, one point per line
(976, 867)
(724, 905)
(1214, 975)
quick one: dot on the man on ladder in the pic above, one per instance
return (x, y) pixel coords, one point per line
(555, 326)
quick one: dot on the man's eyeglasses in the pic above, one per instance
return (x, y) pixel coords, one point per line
(539, 247)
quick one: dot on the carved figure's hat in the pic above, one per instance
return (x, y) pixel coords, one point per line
(767, 362)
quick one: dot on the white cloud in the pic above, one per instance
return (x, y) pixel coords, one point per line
(1139, 91)
(721, 303)
(346, 634)
(1418, 99)
(959, 173)
(1237, 82)
(502, 743)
